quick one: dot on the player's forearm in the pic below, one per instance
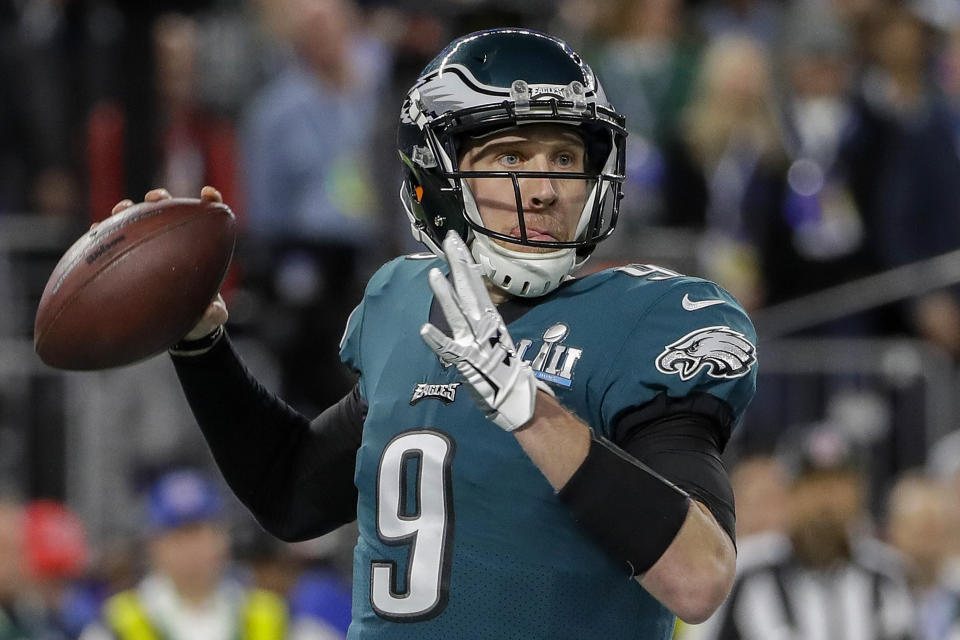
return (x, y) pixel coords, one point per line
(694, 575)
(556, 440)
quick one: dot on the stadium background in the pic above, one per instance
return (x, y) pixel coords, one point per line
(803, 153)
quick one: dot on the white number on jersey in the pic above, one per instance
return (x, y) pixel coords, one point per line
(427, 530)
(649, 271)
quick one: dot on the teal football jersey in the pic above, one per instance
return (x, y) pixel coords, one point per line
(460, 536)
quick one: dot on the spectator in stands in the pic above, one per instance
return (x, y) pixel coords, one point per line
(922, 524)
(824, 578)
(43, 552)
(185, 144)
(57, 556)
(757, 19)
(195, 146)
(949, 69)
(916, 175)
(313, 575)
(647, 61)
(45, 59)
(187, 593)
(645, 55)
(726, 168)
(944, 465)
(12, 578)
(311, 199)
(760, 487)
(321, 601)
(821, 230)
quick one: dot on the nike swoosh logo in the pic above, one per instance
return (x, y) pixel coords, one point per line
(691, 305)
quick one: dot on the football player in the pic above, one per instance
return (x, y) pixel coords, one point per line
(527, 454)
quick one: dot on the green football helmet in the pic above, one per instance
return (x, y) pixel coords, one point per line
(496, 80)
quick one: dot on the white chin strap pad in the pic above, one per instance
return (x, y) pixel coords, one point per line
(519, 273)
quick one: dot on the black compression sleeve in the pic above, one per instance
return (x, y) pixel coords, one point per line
(685, 449)
(633, 496)
(294, 475)
(624, 505)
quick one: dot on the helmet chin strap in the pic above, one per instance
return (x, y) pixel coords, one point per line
(519, 273)
(515, 272)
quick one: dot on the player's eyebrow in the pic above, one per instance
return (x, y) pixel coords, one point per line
(565, 140)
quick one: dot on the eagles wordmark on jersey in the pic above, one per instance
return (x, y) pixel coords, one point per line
(460, 534)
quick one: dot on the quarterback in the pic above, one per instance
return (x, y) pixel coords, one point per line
(527, 454)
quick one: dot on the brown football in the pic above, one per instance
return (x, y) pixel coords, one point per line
(134, 285)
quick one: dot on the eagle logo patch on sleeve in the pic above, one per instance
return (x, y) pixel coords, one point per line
(723, 352)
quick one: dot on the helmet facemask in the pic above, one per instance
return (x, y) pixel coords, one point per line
(438, 198)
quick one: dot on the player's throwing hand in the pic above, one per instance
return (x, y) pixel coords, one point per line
(502, 384)
(216, 313)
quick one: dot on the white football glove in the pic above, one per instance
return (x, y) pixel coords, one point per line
(502, 385)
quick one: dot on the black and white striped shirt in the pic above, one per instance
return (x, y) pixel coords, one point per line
(774, 598)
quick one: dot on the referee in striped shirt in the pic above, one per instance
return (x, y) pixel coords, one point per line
(822, 579)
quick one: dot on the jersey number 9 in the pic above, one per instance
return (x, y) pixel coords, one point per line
(426, 526)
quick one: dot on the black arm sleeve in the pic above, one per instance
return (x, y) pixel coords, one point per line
(295, 476)
(632, 496)
(682, 439)
(626, 507)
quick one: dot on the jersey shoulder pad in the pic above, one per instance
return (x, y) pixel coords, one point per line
(401, 271)
(646, 284)
(646, 272)
(688, 336)
(388, 290)
(639, 281)
(702, 328)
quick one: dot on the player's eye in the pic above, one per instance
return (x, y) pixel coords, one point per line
(567, 160)
(509, 159)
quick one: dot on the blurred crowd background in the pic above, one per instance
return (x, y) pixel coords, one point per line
(803, 153)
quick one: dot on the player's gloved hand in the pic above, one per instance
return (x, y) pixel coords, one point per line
(215, 315)
(502, 385)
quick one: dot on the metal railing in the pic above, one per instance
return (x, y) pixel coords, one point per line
(834, 303)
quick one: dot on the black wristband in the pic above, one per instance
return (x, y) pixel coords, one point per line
(197, 347)
(629, 510)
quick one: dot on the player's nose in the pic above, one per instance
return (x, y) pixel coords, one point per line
(539, 193)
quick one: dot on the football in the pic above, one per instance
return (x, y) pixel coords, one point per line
(135, 284)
